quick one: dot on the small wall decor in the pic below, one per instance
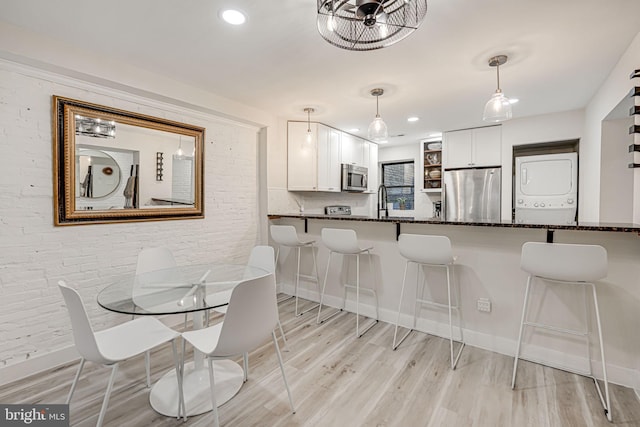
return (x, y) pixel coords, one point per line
(159, 166)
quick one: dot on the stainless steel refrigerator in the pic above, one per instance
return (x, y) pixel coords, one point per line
(472, 195)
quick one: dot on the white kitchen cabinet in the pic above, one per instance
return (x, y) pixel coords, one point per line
(372, 149)
(473, 147)
(353, 150)
(329, 157)
(302, 157)
(313, 164)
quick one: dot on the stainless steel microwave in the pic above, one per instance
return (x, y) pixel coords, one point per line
(354, 178)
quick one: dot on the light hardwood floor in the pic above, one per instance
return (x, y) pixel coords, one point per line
(338, 380)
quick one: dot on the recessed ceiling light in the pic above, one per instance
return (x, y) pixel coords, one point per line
(513, 100)
(233, 16)
(354, 130)
(413, 119)
(435, 134)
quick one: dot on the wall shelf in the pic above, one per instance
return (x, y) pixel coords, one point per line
(432, 171)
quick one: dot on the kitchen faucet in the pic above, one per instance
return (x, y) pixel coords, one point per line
(382, 201)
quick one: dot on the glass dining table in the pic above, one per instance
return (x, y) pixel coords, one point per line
(193, 290)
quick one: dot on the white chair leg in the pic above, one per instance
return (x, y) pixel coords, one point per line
(315, 267)
(373, 284)
(75, 380)
(284, 377)
(245, 365)
(284, 339)
(176, 361)
(297, 280)
(395, 333)
(274, 276)
(147, 366)
(524, 313)
(607, 402)
(216, 421)
(454, 361)
(105, 402)
(358, 296)
(374, 321)
(181, 389)
(324, 286)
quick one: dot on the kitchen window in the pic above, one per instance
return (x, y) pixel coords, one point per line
(398, 177)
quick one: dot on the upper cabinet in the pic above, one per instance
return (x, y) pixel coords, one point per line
(472, 147)
(329, 152)
(314, 162)
(302, 162)
(353, 150)
(372, 150)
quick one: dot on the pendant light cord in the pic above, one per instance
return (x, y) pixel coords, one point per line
(498, 76)
(377, 106)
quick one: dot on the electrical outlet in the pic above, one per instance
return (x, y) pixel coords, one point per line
(484, 304)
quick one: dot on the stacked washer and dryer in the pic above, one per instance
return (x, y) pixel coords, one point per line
(546, 189)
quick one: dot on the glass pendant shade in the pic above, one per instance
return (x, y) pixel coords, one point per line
(378, 130)
(497, 109)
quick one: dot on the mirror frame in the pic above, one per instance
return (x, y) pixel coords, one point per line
(64, 173)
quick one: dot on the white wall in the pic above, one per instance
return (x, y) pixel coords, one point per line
(616, 179)
(530, 130)
(34, 325)
(612, 91)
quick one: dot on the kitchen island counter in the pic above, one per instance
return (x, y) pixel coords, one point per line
(581, 226)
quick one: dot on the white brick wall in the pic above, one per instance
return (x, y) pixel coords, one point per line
(34, 254)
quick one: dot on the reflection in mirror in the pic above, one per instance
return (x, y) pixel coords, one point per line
(107, 165)
(98, 173)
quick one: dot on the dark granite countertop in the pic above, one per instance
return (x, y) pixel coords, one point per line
(582, 226)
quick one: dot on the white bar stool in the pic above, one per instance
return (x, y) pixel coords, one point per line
(345, 242)
(566, 264)
(432, 251)
(286, 235)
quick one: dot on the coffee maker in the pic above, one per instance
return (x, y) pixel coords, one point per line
(437, 209)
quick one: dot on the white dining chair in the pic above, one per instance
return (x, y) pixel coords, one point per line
(576, 267)
(111, 346)
(151, 260)
(251, 317)
(261, 257)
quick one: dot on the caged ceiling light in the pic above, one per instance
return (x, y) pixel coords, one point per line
(378, 128)
(498, 108)
(368, 24)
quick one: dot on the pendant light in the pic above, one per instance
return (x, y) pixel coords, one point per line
(378, 128)
(180, 153)
(498, 108)
(309, 138)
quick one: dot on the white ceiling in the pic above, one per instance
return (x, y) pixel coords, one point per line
(560, 51)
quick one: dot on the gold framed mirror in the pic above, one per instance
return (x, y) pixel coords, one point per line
(111, 165)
